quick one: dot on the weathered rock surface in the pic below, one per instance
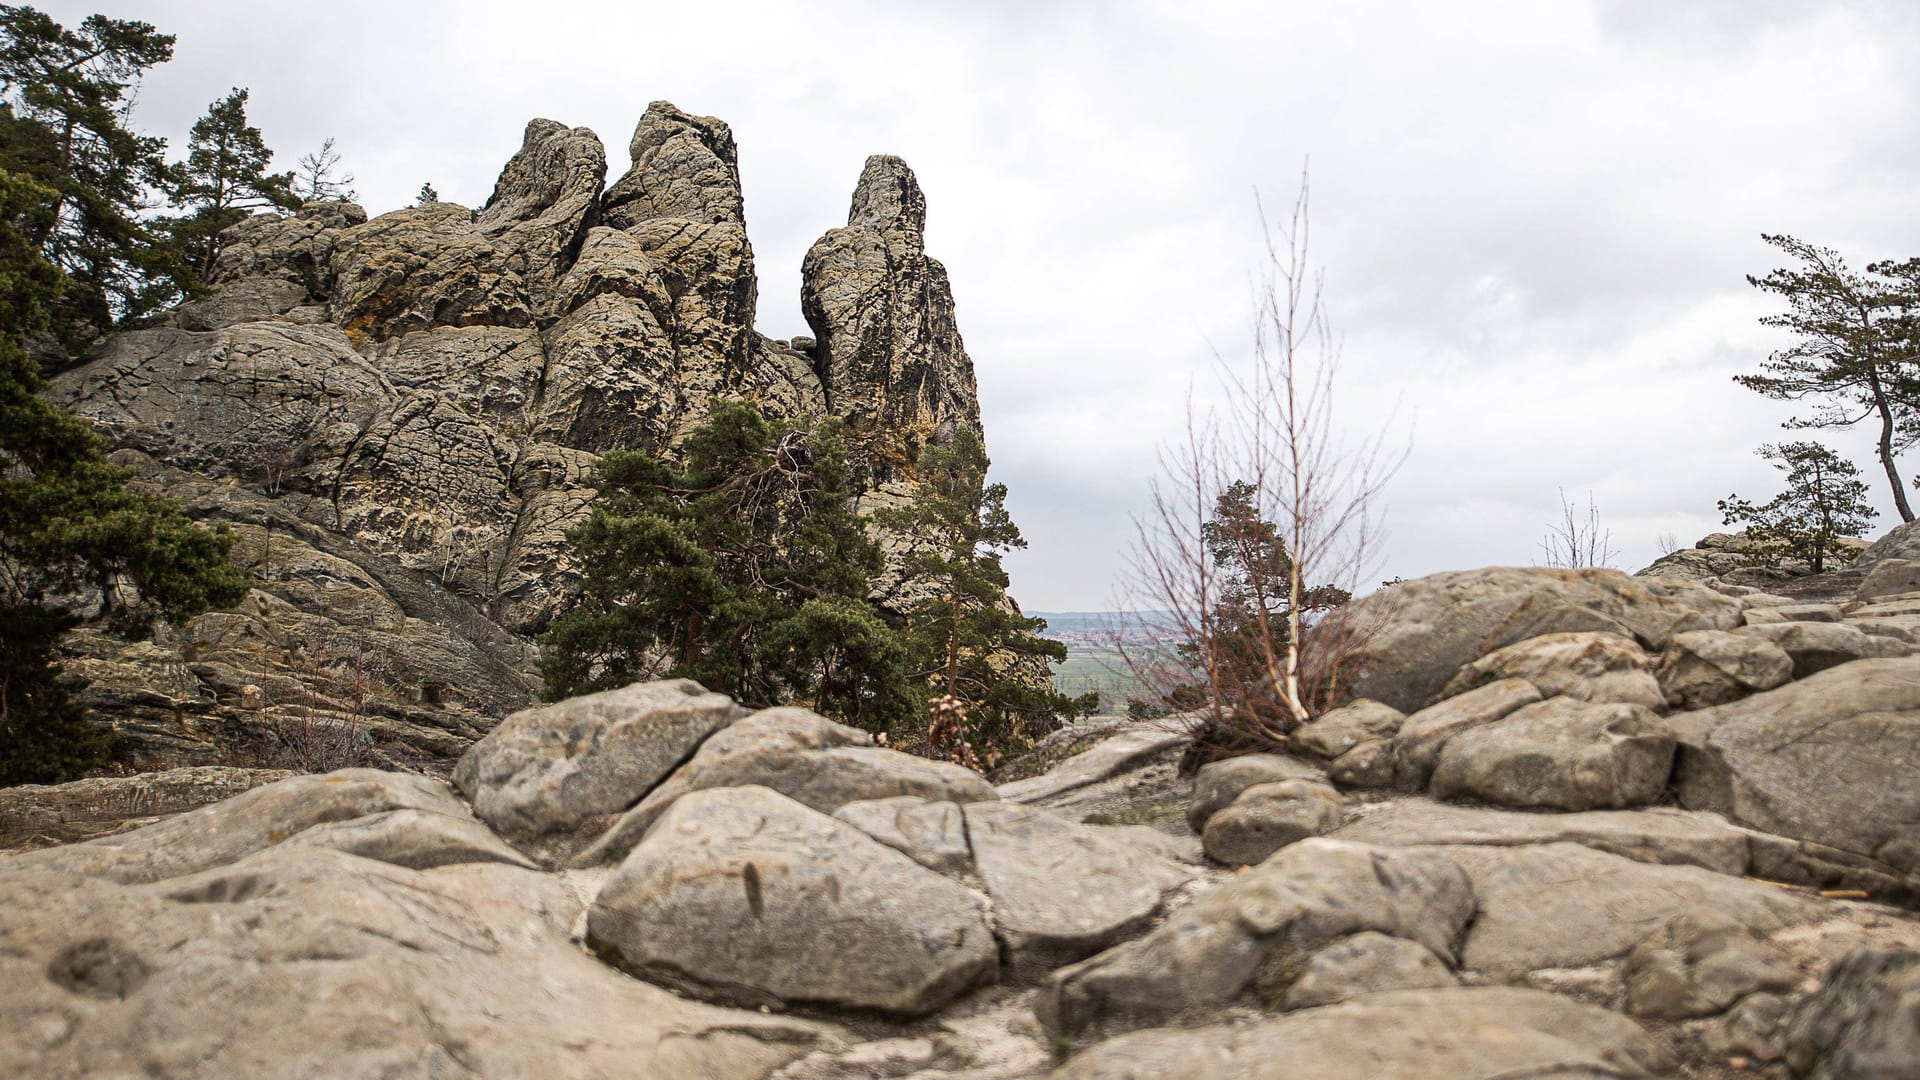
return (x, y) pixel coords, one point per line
(1255, 934)
(1419, 634)
(1561, 754)
(1819, 646)
(933, 834)
(1653, 835)
(1833, 758)
(1889, 578)
(1701, 668)
(1426, 733)
(1267, 817)
(1564, 906)
(1597, 666)
(746, 896)
(264, 817)
(1367, 963)
(1062, 891)
(1699, 965)
(35, 815)
(552, 767)
(1862, 1024)
(803, 756)
(308, 962)
(1468, 1032)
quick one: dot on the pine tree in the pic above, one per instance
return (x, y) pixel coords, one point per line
(1856, 352)
(68, 522)
(224, 179)
(65, 99)
(967, 639)
(747, 571)
(1825, 502)
(427, 196)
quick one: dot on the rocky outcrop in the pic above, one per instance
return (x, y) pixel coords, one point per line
(402, 413)
(889, 352)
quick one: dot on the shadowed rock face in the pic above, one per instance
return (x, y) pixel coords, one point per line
(429, 390)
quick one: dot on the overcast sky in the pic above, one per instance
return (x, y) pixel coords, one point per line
(1535, 217)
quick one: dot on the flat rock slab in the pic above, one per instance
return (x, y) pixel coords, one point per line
(1063, 891)
(1254, 935)
(265, 816)
(551, 767)
(1833, 759)
(1563, 905)
(34, 815)
(933, 834)
(1560, 754)
(1104, 760)
(1815, 647)
(1654, 835)
(1463, 1033)
(745, 896)
(300, 961)
(801, 755)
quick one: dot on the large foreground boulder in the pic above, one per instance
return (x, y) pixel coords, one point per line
(301, 961)
(1865, 1023)
(745, 896)
(1833, 758)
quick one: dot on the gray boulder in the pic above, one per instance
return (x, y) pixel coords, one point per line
(1598, 666)
(1217, 784)
(1833, 759)
(1702, 668)
(1889, 578)
(1255, 935)
(801, 755)
(1340, 730)
(1370, 764)
(746, 896)
(1469, 1033)
(1267, 817)
(551, 767)
(1560, 754)
(1062, 891)
(1426, 733)
(1418, 634)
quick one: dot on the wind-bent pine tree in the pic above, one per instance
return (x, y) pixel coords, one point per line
(1824, 503)
(1858, 353)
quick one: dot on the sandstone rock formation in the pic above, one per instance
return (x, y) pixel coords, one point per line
(399, 416)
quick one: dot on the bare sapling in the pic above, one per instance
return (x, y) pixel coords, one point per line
(1260, 528)
(1579, 542)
